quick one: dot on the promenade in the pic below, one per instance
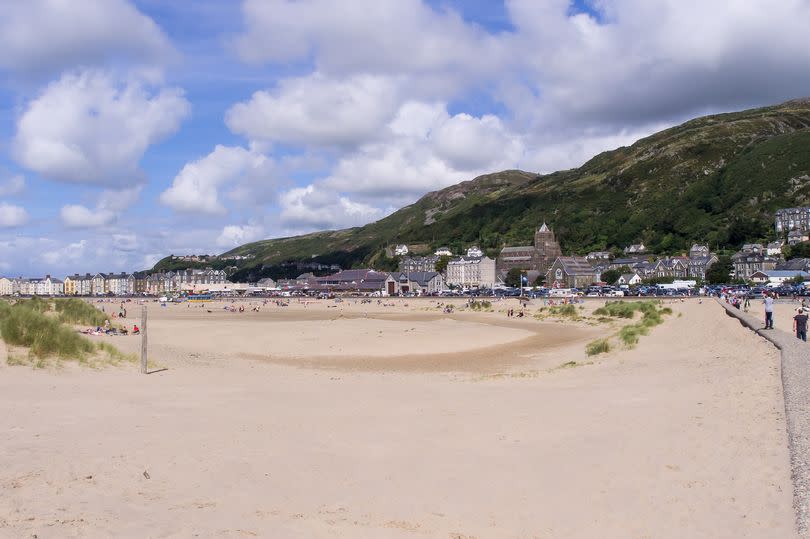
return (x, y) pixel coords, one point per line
(796, 386)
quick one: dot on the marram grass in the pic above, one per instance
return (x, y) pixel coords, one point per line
(27, 324)
(76, 311)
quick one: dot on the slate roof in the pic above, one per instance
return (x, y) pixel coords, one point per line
(517, 249)
(576, 265)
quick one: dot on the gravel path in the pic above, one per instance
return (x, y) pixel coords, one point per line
(796, 388)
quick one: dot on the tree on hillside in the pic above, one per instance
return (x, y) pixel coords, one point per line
(720, 271)
(441, 263)
(800, 250)
(513, 277)
(611, 276)
(384, 263)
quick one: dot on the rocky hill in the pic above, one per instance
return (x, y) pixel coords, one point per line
(716, 179)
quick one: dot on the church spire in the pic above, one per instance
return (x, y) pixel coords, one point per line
(544, 228)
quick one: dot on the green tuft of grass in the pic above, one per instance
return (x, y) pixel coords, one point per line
(651, 316)
(599, 346)
(482, 305)
(14, 360)
(77, 311)
(631, 334)
(563, 310)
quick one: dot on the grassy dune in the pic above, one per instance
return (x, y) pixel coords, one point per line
(42, 328)
(629, 335)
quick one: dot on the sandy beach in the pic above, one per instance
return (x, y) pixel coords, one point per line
(361, 420)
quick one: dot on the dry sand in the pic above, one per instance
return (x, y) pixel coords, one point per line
(257, 428)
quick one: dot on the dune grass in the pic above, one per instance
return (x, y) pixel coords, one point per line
(629, 335)
(76, 311)
(599, 346)
(480, 305)
(27, 324)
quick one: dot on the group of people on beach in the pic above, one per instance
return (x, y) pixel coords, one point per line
(799, 319)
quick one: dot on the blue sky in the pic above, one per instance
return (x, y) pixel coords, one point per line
(143, 128)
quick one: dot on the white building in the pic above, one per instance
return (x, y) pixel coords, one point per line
(401, 250)
(42, 287)
(443, 251)
(628, 279)
(57, 287)
(8, 286)
(471, 272)
(84, 285)
(774, 248)
(788, 219)
(98, 284)
(119, 284)
(474, 252)
(635, 249)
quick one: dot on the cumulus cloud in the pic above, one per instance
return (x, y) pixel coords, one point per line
(111, 203)
(48, 36)
(425, 148)
(235, 235)
(12, 186)
(70, 254)
(89, 128)
(316, 110)
(645, 62)
(380, 36)
(469, 143)
(559, 74)
(78, 216)
(311, 208)
(12, 216)
(196, 188)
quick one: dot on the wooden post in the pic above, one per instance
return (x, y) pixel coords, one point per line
(143, 340)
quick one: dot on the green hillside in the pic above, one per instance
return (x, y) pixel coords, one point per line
(716, 179)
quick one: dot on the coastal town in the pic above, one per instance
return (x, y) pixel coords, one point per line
(540, 265)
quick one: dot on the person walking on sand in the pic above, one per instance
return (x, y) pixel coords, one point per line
(768, 301)
(800, 325)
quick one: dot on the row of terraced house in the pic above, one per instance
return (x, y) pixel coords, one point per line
(111, 284)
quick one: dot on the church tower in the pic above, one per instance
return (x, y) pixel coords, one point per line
(546, 247)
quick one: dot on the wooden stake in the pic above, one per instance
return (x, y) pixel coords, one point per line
(143, 340)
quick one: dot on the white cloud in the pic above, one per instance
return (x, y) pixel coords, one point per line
(12, 216)
(317, 110)
(88, 128)
(70, 253)
(78, 216)
(469, 143)
(48, 36)
(311, 208)
(426, 149)
(558, 76)
(118, 200)
(195, 188)
(235, 235)
(380, 36)
(111, 203)
(12, 186)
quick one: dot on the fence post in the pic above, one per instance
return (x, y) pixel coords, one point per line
(143, 340)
